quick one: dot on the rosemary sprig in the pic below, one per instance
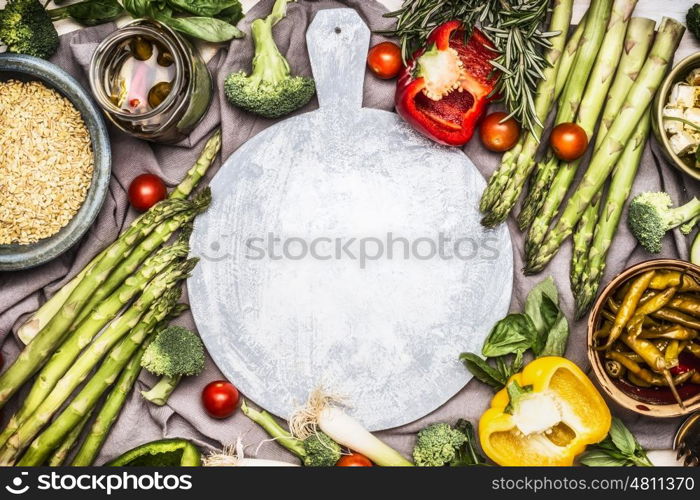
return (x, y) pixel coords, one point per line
(514, 27)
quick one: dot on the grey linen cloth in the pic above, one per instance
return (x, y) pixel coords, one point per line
(23, 292)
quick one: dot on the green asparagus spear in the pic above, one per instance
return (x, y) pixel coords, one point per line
(63, 388)
(40, 318)
(598, 16)
(596, 26)
(43, 345)
(599, 83)
(612, 147)
(86, 331)
(59, 455)
(109, 412)
(199, 169)
(640, 35)
(119, 356)
(527, 145)
(620, 188)
(567, 58)
(116, 398)
(137, 256)
(581, 241)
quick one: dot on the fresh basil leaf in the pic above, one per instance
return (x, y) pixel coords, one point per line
(482, 370)
(94, 12)
(137, 8)
(512, 334)
(557, 338)
(503, 367)
(517, 364)
(622, 437)
(599, 458)
(204, 28)
(542, 307)
(232, 15)
(515, 392)
(206, 8)
(507, 366)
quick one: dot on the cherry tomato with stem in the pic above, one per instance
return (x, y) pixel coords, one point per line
(384, 60)
(498, 134)
(569, 141)
(354, 460)
(145, 191)
(220, 399)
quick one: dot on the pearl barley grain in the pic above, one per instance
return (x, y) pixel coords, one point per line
(46, 162)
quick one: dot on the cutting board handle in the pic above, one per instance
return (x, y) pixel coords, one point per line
(338, 40)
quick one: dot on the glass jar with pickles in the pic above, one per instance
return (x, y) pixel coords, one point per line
(150, 82)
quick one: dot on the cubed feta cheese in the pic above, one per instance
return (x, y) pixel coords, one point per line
(682, 96)
(694, 77)
(673, 126)
(693, 116)
(683, 143)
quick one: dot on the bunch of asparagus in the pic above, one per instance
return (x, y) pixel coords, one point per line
(605, 77)
(100, 321)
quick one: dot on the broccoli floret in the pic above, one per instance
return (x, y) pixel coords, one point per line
(692, 19)
(26, 28)
(270, 90)
(651, 215)
(320, 451)
(437, 445)
(174, 353)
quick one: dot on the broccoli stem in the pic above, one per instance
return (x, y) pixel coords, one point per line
(269, 65)
(275, 430)
(161, 391)
(682, 214)
(59, 13)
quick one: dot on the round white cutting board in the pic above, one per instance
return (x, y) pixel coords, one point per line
(283, 297)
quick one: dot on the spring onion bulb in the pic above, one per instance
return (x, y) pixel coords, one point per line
(233, 456)
(323, 413)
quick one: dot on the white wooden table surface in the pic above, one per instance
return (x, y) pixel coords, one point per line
(654, 9)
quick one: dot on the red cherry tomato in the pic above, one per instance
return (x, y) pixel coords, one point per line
(220, 399)
(145, 191)
(497, 136)
(354, 460)
(569, 141)
(384, 59)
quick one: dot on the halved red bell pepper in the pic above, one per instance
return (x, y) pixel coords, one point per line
(445, 89)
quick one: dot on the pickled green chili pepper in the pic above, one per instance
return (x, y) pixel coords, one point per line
(673, 333)
(673, 316)
(614, 368)
(628, 307)
(646, 376)
(693, 349)
(687, 304)
(665, 279)
(653, 304)
(671, 354)
(647, 350)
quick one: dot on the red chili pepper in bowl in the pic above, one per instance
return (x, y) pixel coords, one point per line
(445, 89)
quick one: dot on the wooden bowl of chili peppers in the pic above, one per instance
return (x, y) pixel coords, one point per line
(644, 338)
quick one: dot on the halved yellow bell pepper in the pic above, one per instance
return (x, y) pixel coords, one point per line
(546, 415)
